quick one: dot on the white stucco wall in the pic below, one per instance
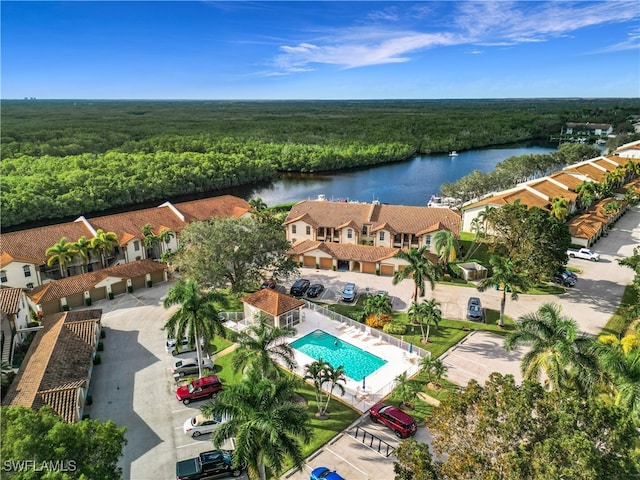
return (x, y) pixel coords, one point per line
(16, 274)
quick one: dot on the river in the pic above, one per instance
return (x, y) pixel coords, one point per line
(411, 182)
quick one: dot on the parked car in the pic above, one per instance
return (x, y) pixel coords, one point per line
(201, 425)
(211, 464)
(569, 273)
(324, 473)
(269, 284)
(299, 287)
(403, 424)
(315, 290)
(563, 279)
(190, 365)
(199, 389)
(174, 347)
(475, 311)
(349, 292)
(584, 253)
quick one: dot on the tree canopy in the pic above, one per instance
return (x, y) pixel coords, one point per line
(88, 449)
(235, 252)
(522, 432)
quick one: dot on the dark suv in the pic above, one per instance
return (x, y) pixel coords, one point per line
(401, 423)
(299, 288)
(475, 311)
(211, 464)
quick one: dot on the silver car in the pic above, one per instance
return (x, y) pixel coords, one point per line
(174, 347)
(190, 365)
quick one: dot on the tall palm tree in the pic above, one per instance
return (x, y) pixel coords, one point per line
(260, 346)
(82, 246)
(433, 368)
(103, 243)
(405, 389)
(508, 274)
(150, 238)
(378, 305)
(61, 253)
(586, 193)
(428, 311)
(257, 204)
(420, 269)
(165, 236)
(197, 317)
(267, 426)
(558, 353)
(320, 373)
(446, 245)
(559, 208)
(611, 209)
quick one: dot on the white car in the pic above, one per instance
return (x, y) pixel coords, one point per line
(201, 425)
(173, 348)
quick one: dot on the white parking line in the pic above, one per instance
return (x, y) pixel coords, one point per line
(182, 410)
(347, 461)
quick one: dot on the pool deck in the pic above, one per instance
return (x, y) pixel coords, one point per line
(377, 385)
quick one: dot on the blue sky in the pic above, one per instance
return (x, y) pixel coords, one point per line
(320, 50)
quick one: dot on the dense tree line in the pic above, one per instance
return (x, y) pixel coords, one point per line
(63, 158)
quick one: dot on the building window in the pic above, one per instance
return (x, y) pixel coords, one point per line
(29, 285)
(293, 229)
(349, 233)
(3, 276)
(27, 271)
(381, 236)
(427, 240)
(365, 231)
(136, 246)
(308, 230)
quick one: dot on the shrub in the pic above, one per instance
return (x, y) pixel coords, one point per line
(97, 360)
(395, 328)
(149, 283)
(88, 301)
(375, 321)
(317, 265)
(100, 346)
(130, 288)
(103, 333)
(111, 295)
(86, 416)
(89, 400)
(333, 267)
(378, 271)
(66, 308)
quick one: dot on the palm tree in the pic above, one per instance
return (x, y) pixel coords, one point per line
(508, 274)
(197, 317)
(165, 236)
(378, 305)
(150, 238)
(446, 245)
(433, 368)
(420, 269)
(433, 314)
(558, 353)
(267, 426)
(104, 242)
(611, 209)
(61, 253)
(405, 390)
(257, 204)
(586, 193)
(559, 208)
(260, 346)
(319, 373)
(82, 246)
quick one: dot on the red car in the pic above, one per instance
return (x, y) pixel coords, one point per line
(199, 389)
(401, 423)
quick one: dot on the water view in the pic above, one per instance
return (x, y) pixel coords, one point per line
(404, 183)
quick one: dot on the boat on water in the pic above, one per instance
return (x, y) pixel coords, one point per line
(444, 202)
(453, 153)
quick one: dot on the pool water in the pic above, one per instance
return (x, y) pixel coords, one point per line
(356, 362)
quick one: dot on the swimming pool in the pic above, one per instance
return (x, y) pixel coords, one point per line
(356, 362)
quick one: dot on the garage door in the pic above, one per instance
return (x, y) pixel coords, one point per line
(368, 267)
(139, 282)
(326, 263)
(98, 294)
(309, 261)
(386, 270)
(157, 277)
(119, 288)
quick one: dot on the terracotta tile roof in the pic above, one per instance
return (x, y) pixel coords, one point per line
(66, 287)
(206, 208)
(585, 226)
(588, 170)
(552, 190)
(10, 299)
(396, 218)
(525, 196)
(345, 251)
(304, 246)
(604, 163)
(128, 225)
(57, 364)
(622, 161)
(272, 302)
(30, 245)
(570, 181)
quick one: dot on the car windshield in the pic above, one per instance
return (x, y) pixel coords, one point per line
(191, 388)
(474, 308)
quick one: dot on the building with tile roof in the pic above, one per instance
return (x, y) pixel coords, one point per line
(86, 288)
(277, 309)
(23, 261)
(58, 366)
(14, 318)
(362, 236)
